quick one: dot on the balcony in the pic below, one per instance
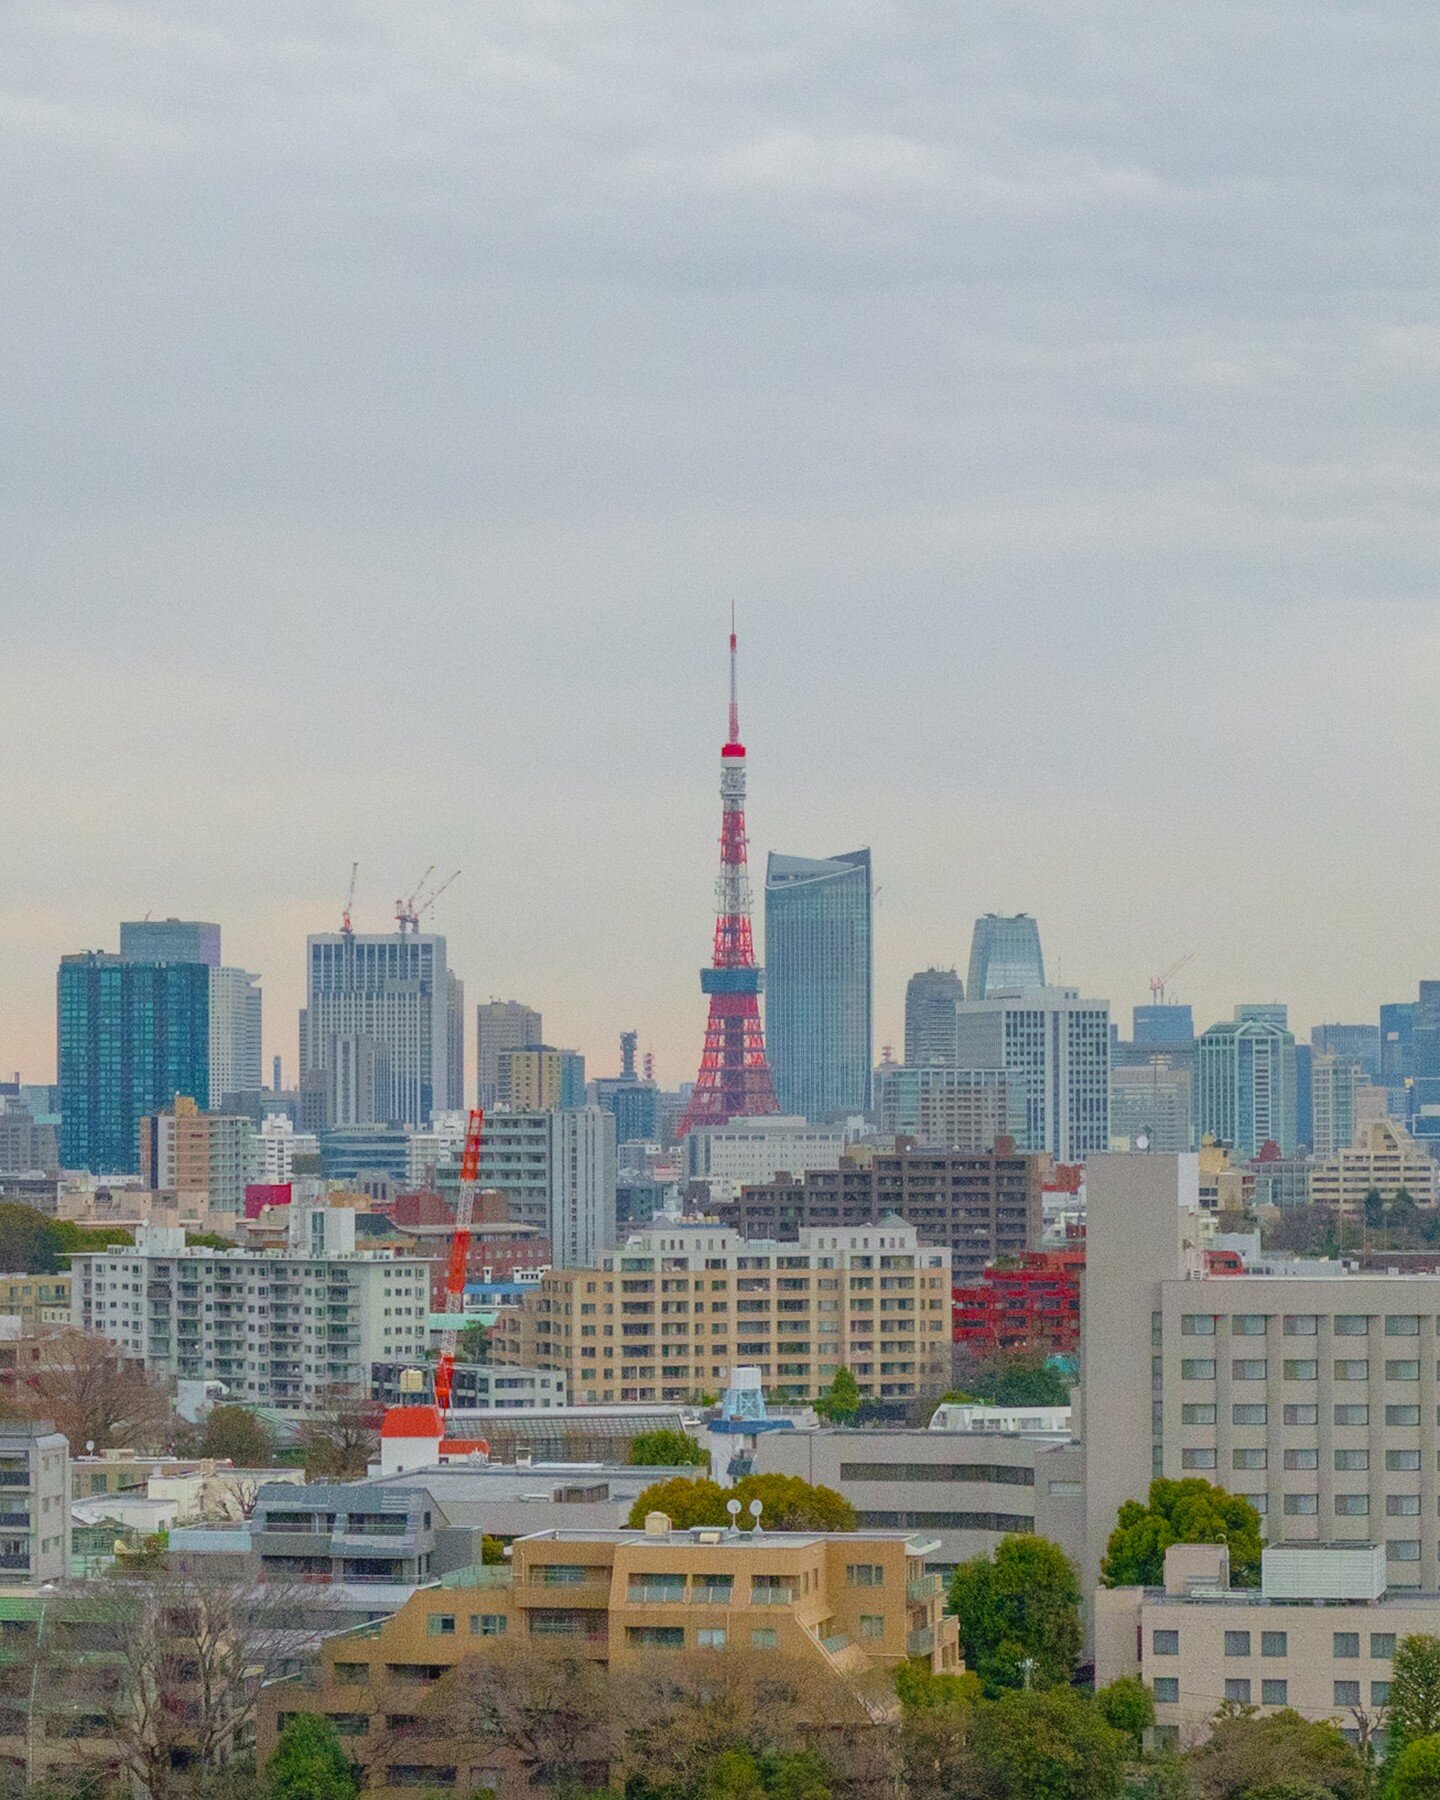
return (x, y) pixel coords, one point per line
(920, 1643)
(923, 1587)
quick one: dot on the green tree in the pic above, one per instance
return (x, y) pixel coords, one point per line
(30, 1244)
(473, 1344)
(920, 1689)
(1246, 1754)
(1030, 1384)
(1415, 1774)
(840, 1402)
(665, 1449)
(207, 1240)
(1414, 1709)
(1181, 1512)
(236, 1434)
(1374, 1209)
(309, 1762)
(687, 1502)
(1049, 1746)
(1019, 1607)
(787, 1504)
(1128, 1705)
(492, 1550)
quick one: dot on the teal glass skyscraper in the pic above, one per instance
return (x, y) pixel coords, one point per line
(132, 1035)
(818, 962)
(1004, 957)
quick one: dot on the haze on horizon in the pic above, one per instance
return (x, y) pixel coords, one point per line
(396, 397)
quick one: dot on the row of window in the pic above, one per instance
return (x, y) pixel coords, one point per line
(1347, 1461)
(1300, 1324)
(1273, 1692)
(1252, 1412)
(1344, 1644)
(1257, 1368)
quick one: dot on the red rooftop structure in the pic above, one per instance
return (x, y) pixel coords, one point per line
(1030, 1304)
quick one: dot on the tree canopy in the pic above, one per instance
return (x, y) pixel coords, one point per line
(1020, 1607)
(309, 1762)
(787, 1504)
(1246, 1753)
(1051, 1745)
(664, 1449)
(1415, 1774)
(1181, 1512)
(236, 1434)
(1414, 1708)
(840, 1403)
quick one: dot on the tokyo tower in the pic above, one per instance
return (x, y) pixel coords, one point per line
(734, 1079)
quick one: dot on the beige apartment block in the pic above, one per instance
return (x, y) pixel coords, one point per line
(667, 1316)
(1384, 1157)
(36, 1300)
(186, 1151)
(853, 1606)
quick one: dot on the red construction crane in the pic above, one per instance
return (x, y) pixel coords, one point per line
(405, 913)
(459, 1260)
(345, 925)
(1157, 982)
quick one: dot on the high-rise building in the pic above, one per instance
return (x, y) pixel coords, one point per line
(501, 1025)
(26, 1146)
(132, 1035)
(818, 1009)
(358, 1089)
(184, 1150)
(171, 941)
(1353, 1043)
(1055, 1048)
(455, 1040)
(1005, 956)
(1333, 1081)
(1164, 1029)
(1245, 1080)
(949, 1109)
(395, 989)
(1398, 1020)
(1152, 1105)
(236, 1020)
(557, 1170)
(634, 1103)
(537, 1078)
(734, 1079)
(931, 997)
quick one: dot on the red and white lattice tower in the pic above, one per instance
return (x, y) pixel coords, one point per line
(734, 1079)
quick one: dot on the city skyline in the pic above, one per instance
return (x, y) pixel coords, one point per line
(383, 494)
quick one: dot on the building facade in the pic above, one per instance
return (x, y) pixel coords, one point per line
(501, 1025)
(277, 1328)
(131, 1036)
(538, 1078)
(931, 996)
(557, 1170)
(171, 941)
(818, 1004)
(1054, 1047)
(1384, 1159)
(1005, 956)
(750, 1150)
(1028, 1303)
(184, 1150)
(236, 1033)
(1245, 1079)
(1152, 1105)
(674, 1309)
(1334, 1080)
(34, 1503)
(948, 1108)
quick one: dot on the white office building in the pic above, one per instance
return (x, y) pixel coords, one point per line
(756, 1150)
(235, 1034)
(1054, 1047)
(558, 1171)
(277, 1144)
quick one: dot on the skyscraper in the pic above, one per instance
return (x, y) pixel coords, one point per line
(455, 1039)
(1005, 956)
(171, 941)
(1334, 1079)
(1353, 1043)
(235, 1033)
(501, 1025)
(931, 997)
(818, 954)
(395, 989)
(1055, 1050)
(1245, 1081)
(131, 1036)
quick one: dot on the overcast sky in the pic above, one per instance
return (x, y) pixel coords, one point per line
(395, 395)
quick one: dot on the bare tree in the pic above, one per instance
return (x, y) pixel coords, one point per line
(339, 1438)
(550, 1714)
(95, 1394)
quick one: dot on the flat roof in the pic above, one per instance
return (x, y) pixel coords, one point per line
(702, 1537)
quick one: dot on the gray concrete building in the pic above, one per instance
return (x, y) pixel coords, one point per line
(34, 1503)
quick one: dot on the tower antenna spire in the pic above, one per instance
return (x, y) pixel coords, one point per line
(734, 683)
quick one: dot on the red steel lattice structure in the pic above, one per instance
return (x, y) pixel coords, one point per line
(734, 1080)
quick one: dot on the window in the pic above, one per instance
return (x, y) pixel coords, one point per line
(1303, 1414)
(1352, 1459)
(441, 1625)
(1379, 1693)
(1352, 1506)
(1274, 1693)
(1347, 1693)
(1197, 1325)
(1261, 1502)
(763, 1638)
(1351, 1368)
(1402, 1506)
(1301, 1504)
(1402, 1325)
(1248, 1368)
(710, 1637)
(1396, 1370)
(1237, 1643)
(1166, 1689)
(1274, 1643)
(1402, 1415)
(1247, 1459)
(352, 1674)
(656, 1637)
(864, 1575)
(1197, 1368)
(1197, 1415)
(1405, 1461)
(1403, 1549)
(1165, 1643)
(1248, 1413)
(872, 1625)
(1301, 1325)
(1302, 1459)
(1247, 1325)
(1302, 1371)
(1382, 1644)
(1345, 1644)
(488, 1624)
(1351, 1325)
(1352, 1414)
(1237, 1688)
(1197, 1459)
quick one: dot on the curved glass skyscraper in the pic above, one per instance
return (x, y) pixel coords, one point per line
(818, 985)
(1004, 955)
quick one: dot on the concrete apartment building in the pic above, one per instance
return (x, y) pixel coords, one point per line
(1384, 1157)
(981, 1205)
(186, 1151)
(944, 1108)
(36, 1300)
(669, 1314)
(557, 1171)
(277, 1328)
(749, 1150)
(853, 1605)
(34, 1503)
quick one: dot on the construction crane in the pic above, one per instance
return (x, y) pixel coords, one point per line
(405, 913)
(459, 1261)
(345, 926)
(1157, 982)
